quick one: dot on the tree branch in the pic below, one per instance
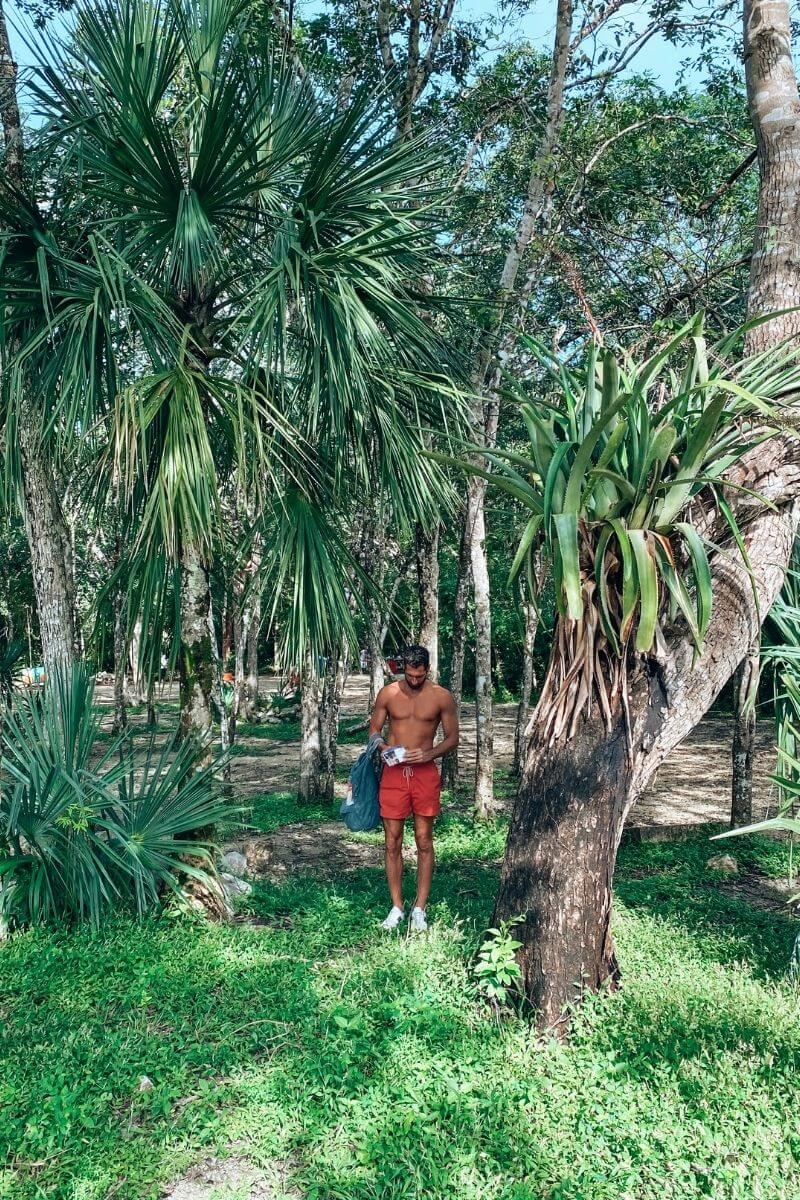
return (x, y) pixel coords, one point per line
(711, 200)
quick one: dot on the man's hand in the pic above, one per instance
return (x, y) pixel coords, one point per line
(418, 756)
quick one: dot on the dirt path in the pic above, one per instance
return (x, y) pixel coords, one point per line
(692, 788)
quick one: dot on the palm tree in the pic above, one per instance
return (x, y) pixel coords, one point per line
(253, 252)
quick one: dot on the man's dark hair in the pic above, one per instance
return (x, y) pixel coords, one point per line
(416, 656)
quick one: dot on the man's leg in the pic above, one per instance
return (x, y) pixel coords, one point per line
(423, 836)
(393, 833)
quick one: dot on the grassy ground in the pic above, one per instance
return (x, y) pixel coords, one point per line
(363, 1060)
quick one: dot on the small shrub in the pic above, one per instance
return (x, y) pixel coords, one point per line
(496, 968)
(84, 825)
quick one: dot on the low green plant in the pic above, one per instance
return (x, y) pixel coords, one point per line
(496, 969)
(84, 824)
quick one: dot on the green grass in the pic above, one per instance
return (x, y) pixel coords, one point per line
(363, 1059)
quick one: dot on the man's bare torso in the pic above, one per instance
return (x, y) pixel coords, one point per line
(414, 716)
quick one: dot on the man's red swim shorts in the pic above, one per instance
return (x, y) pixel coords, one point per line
(408, 788)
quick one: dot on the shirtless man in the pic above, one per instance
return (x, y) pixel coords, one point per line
(414, 708)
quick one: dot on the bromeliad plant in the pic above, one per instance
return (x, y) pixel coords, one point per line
(618, 466)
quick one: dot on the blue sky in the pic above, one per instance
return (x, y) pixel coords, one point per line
(658, 56)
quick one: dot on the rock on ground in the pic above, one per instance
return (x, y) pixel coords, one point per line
(725, 863)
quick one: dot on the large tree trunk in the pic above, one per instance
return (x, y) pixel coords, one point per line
(451, 767)
(428, 584)
(575, 795)
(309, 785)
(196, 658)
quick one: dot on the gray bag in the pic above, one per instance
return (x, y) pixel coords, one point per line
(360, 808)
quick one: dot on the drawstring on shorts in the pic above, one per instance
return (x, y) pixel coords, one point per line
(408, 772)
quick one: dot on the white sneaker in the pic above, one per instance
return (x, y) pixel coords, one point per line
(394, 918)
(419, 922)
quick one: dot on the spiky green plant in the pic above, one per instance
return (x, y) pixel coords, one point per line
(622, 457)
(81, 830)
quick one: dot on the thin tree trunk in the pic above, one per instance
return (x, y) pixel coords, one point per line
(47, 537)
(251, 676)
(428, 586)
(333, 690)
(451, 766)
(196, 659)
(486, 415)
(45, 526)
(574, 796)
(120, 661)
(745, 691)
(775, 112)
(139, 686)
(484, 802)
(309, 785)
(530, 615)
(375, 568)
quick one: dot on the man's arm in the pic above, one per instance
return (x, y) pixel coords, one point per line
(380, 715)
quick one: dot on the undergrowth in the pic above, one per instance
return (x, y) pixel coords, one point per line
(366, 1062)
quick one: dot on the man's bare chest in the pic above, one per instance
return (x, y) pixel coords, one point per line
(407, 708)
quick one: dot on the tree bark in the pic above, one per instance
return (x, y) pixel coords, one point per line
(45, 526)
(428, 586)
(775, 113)
(332, 692)
(745, 692)
(251, 676)
(139, 684)
(530, 615)
(451, 767)
(196, 659)
(576, 794)
(484, 801)
(48, 538)
(120, 660)
(309, 785)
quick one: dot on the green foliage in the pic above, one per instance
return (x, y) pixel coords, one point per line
(496, 969)
(82, 830)
(12, 652)
(780, 658)
(617, 466)
(261, 246)
(614, 463)
(365, 1063)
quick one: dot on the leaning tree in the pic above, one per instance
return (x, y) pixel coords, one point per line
(652, 626)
